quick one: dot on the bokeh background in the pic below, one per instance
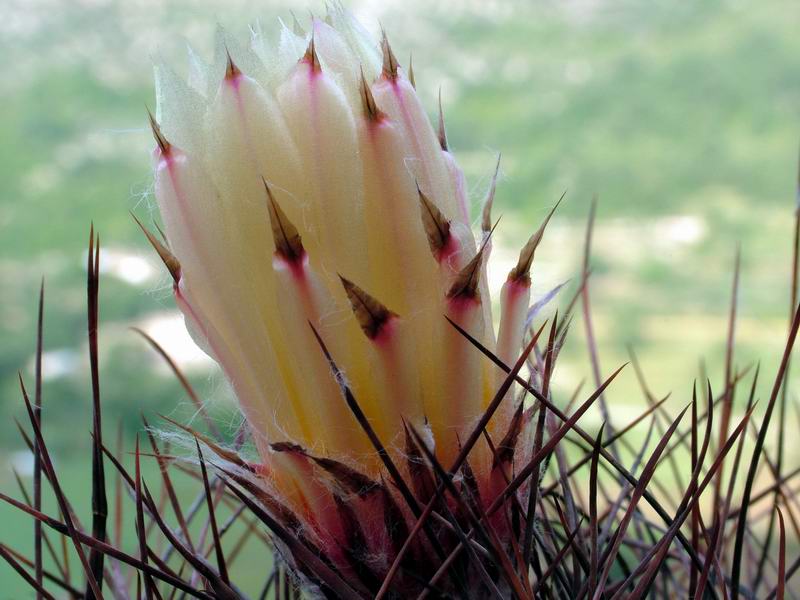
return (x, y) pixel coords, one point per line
(683, 118)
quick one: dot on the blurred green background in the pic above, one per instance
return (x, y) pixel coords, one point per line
(681, 117)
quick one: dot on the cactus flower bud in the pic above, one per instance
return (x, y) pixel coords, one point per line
(306, 196)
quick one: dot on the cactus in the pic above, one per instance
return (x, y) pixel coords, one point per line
(317, 233)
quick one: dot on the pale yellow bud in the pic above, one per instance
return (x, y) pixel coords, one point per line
(312, 197)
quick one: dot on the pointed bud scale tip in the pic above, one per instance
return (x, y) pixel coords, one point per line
(288, 243)
(486, 213)
(169, 260)
(371, 315)
(390, 63)
(311, 56)
(371, 110)
(442, 133)
(466, 283)
(162, 142)
(231, 70)
(437, 227)
(411, 79)
(521, 273)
